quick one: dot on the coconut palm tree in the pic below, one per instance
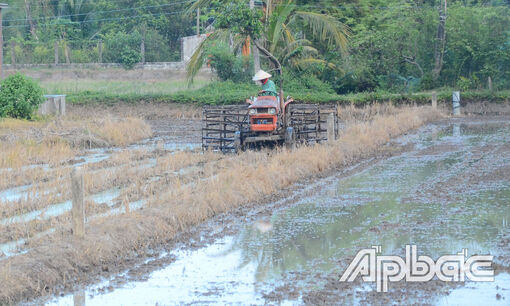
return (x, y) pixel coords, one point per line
(281, 38)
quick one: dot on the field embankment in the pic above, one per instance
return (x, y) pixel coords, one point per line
(233, 93)
(160, 193)
(110, 86)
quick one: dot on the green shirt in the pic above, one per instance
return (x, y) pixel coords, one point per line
(269, 87)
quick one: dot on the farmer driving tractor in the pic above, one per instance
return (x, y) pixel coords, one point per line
(268, 86)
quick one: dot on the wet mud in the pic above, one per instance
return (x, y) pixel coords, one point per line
(443, 188)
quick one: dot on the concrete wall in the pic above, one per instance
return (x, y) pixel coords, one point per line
(54, 105)
(147, 66)
(189, 45)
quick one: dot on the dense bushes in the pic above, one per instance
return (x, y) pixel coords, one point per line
(391, 46)
(307, 83)
(123, 48)
(236, 93)
(217, 93)
(20, 96)
(228, 66)
(393, 49)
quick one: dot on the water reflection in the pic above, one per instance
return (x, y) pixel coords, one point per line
(371, 209)
(391, 204)
(456, 129)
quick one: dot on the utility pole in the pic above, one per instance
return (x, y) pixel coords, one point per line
(142, 49)
(2, 6)
(255, 51)
(100, 51)
(13, 54)
(440, 41)
(56, 52)
(198, 21)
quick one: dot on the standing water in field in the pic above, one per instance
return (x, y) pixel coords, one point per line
(447, 193)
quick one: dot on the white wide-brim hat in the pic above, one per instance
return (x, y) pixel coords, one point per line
(261, 75)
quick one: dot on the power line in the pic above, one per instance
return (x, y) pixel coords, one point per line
(99, 12)
(96, 20)
(182, 2)
(48, 5)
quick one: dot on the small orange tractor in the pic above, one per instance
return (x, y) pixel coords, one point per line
(267, 121)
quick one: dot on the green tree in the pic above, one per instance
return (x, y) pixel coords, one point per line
(123, 48)
(276, 31)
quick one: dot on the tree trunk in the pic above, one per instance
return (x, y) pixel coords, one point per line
(256, 59)
(29, 19)
(56, 52)
(1, 47)
(440, 41)
(142, 50)
(198, 21)
(255, 51)
(13, 54)
(100, 51)
(66, 52)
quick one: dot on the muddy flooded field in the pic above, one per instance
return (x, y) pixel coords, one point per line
(443, 188)
(35, 198)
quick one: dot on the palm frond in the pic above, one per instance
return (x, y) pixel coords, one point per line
(308, 50)
(302, 51)
(307, 63)
(293, 45)
(238, 41)
(197, 59)
(193, 5)
(282, 13)
(326, 28)
(289, 37)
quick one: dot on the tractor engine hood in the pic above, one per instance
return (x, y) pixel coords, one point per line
(265, 102)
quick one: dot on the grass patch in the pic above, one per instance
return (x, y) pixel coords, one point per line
(28, 152)
(9, 124)
(84, 91)
(87, 90)
(118, 87)
(234, 93)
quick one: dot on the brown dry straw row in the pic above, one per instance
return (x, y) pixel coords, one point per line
(44, 194)
(26, 230)
(136, 184)
(59, 139)
(28, 175)
(59, 261)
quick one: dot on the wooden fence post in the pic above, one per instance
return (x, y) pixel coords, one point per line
(79, 298)
(78, 210)
(142, 50)
(290, 138)
(100, 51)
(331, 127)
(56, 52)
(434, 100)
(67, 53)
(13, 53)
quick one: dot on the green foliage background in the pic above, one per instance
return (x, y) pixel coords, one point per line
(391, 46)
